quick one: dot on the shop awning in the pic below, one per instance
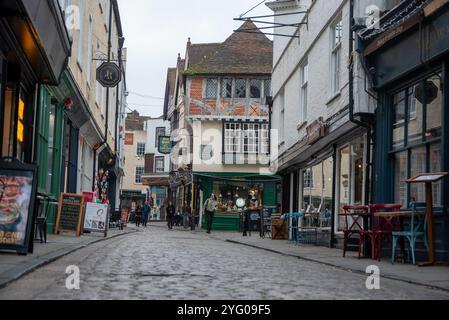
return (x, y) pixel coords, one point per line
(40, 29)
(238, 177)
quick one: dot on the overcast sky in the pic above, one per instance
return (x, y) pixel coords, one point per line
(156, 31)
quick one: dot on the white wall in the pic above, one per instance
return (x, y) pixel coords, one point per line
(151, 147)
(315, 46)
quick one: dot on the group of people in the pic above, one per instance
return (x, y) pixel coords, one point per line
(177, 218)
(142, 213)
(210, 206)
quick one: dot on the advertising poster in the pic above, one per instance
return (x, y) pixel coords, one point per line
(96, 217)
(16, 206)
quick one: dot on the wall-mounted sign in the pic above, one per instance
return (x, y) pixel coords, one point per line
(96, 218)
(17, 197)
(316, 131)
(70, 213)
(109, 74)
(165, 145)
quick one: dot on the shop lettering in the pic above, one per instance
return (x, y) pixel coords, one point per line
(10, 237)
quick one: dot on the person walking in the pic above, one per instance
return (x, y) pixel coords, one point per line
(210, 207)
(145, 211)
(138, 216)
(170, 215)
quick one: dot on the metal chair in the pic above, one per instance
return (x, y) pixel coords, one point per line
(417, 228)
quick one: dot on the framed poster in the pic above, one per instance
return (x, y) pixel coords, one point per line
(70, 213)
(96, 218)
(17, 201)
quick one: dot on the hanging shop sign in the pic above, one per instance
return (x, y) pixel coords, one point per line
(316, 131)
(17, 198)
(109, 74)
(96, 218)
(70, 213)
(165, 145)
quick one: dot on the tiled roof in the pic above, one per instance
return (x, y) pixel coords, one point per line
(241, 53)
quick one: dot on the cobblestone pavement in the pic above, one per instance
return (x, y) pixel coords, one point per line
(158, 264)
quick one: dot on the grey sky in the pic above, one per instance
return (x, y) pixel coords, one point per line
(156, 31)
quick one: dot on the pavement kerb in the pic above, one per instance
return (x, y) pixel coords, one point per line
(40, 262)
(358, 271)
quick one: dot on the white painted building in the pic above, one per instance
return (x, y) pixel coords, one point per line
(325, 144)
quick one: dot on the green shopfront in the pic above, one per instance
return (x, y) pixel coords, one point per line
(411, 76)
(260, 191)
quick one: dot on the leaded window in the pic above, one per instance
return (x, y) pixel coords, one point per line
(211, 88)
(226, 88)
(255, 88)
(240, 88)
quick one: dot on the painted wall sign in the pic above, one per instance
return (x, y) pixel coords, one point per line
(17, 198)
(165, 145)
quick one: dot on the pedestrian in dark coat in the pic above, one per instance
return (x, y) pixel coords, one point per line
(170, 215)
(138, 215)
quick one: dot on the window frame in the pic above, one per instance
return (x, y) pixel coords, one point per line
(136, 174)
(408, 148)
(304, 91)
(336, 54)
(207, 88)
(236, 96)
(156, 159)
(158, 135)
(139, 148)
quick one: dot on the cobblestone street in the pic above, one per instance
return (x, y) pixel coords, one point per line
(158, 264)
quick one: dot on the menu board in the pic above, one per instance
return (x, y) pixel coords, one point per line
(17, 194)
(70, 213)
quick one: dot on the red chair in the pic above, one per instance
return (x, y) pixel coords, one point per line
(354, 225)
(384, 226)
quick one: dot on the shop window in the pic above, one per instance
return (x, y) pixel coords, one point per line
(228, 192)
(416, 138)
(399, 120)
(351, 175)
(317, 184)
(211, 88)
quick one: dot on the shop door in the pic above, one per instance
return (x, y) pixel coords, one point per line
(351, 178)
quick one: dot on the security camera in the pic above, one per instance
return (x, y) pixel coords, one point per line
(372, 70)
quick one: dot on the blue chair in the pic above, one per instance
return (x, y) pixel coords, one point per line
(415, 230)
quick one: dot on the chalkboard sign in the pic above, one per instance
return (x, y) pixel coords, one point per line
(70, 213)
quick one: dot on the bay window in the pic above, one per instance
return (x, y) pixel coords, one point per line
(247, 138)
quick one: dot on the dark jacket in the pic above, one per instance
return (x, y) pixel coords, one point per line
(171, 211)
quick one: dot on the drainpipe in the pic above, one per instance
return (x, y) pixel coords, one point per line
(351, 105)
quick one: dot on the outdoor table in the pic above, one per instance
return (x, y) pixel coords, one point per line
(428, 179)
